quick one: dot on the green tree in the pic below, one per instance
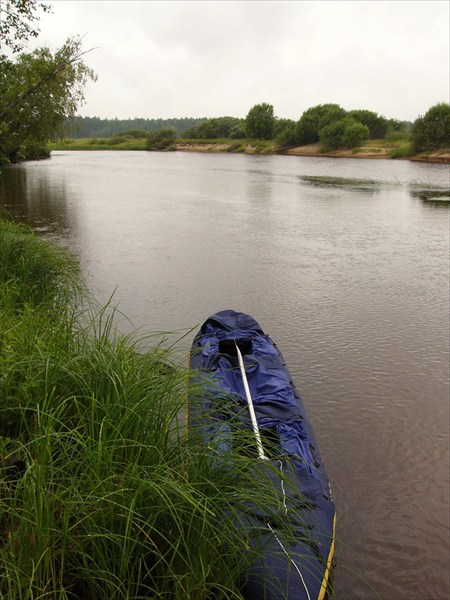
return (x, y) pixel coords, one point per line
(432, 131)
(377, 125)
(219, 127)
(281, 125)
(260, 122)
(238, 132)
(38, 92)
(18, 21)
(163, 139)
(314, 119)
(307, 128)
(285, 133)
(355, 134)
(345, 133)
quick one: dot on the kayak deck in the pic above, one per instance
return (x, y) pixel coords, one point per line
(226, 341)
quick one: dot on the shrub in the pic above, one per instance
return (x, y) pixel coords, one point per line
(345, 133)
(260, 122)
(237, 132)
(162, 139)
(432, 131)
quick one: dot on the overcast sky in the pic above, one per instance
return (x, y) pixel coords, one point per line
(216, 58)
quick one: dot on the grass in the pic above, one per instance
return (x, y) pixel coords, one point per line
(114, 143)
(130, 143)
(102, 493)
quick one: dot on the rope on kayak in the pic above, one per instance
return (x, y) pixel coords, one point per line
(264, 457)
(282, 488)
(290, 560)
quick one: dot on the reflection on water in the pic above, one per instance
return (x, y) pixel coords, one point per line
(345, 264)
(32, 196)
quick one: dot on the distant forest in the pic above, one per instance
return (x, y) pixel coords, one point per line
(84, 127)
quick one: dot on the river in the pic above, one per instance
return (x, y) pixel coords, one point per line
(345, 267)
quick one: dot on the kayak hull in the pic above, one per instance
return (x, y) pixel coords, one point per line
(294, 567)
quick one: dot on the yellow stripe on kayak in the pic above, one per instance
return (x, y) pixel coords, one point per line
(324, 587)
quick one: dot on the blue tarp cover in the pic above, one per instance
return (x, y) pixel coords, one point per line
(279, 411)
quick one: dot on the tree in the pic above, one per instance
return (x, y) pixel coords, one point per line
(355, 134)
(377, 125)
(219, 127)
(18, 21)
(345, 133)
(38, 92)
(238, 132)
(163, 139)
(315, 119)
(281, 125)
(307, 129)
(260, 122)
(432, 131)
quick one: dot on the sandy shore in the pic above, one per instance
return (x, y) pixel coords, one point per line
(311, 150)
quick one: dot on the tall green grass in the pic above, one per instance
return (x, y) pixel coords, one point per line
(102, 493)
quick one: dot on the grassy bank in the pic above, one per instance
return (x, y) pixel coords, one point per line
(193, 145)
(102, 493)
(373, 149)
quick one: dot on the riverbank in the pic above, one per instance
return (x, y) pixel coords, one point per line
(376, 149)
(103, 495)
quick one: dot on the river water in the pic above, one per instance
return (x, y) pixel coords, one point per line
(342, 264)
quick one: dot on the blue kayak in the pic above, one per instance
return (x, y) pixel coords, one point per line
(243, 369)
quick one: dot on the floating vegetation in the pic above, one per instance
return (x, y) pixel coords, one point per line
(432, 195)
(366, 185)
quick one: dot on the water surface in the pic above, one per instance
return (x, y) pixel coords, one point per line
(343, 263)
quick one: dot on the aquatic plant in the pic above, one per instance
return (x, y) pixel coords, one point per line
(340, 182)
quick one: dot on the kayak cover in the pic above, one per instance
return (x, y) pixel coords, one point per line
(286, 569)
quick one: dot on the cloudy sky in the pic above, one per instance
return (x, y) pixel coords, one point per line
(215, 58)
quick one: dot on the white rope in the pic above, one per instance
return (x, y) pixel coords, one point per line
(282, 488)
(290, 560)
(264, 457)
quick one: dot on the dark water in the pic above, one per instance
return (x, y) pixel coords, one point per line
(342, 263)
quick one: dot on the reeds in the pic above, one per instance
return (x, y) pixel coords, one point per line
(102, 494)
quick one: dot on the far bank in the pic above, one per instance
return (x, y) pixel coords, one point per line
(375, 149)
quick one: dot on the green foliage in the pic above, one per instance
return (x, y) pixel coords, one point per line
(18, 21)
(376, 124)
(34, 271)
(345, 133)
(307, 129)
(134, 133)
(213, 128)
(355, 134)
(114, 143)
(260, 122)
(238, 132)
(286, 137)
(83, 127)
(163, 139)
(314, 119)
(432, 131)
(282, 125)
(38, 91)
(404, 150)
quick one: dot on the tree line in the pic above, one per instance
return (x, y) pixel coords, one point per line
(95, 127)
(329, 125)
